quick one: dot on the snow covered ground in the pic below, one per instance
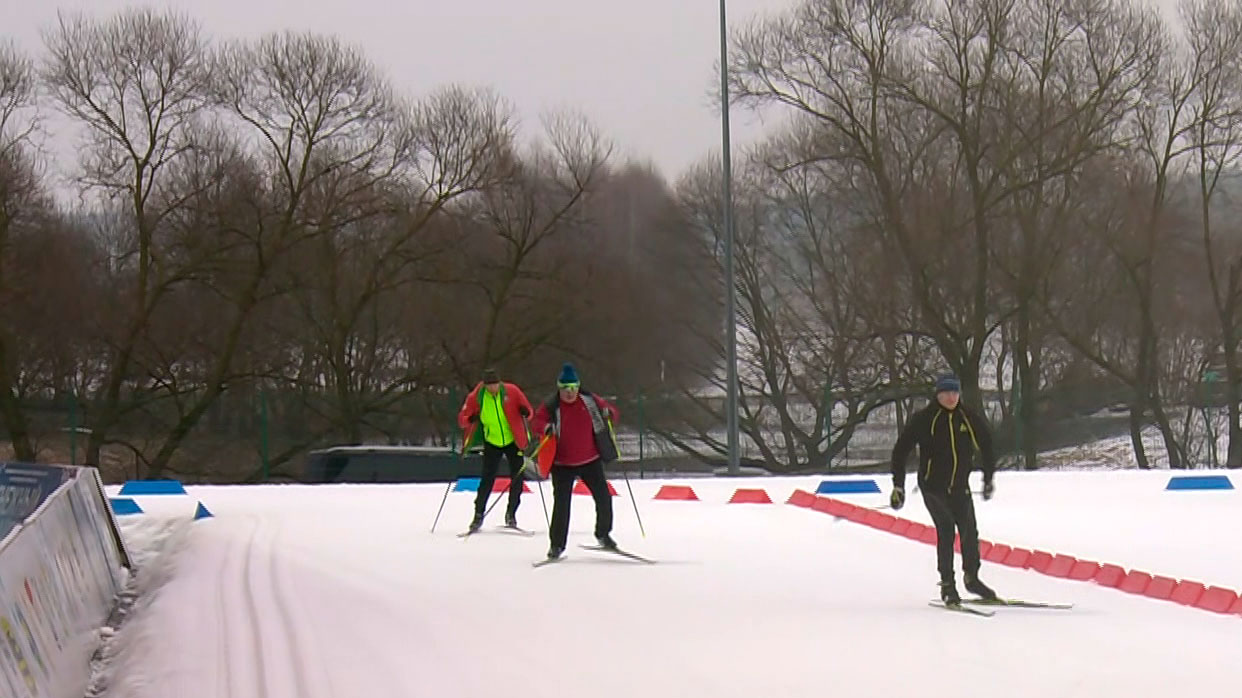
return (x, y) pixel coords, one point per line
(342, 591)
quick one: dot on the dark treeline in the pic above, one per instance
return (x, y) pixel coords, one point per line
(1036, 194)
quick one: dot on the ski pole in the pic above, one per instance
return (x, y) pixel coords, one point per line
(626, 475)
(539, 482)
(543, 501)
(442, 501)
(518, 477)
(460, 460)
(635, 501)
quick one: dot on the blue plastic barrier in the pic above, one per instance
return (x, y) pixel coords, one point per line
(124, 506)
(201, 512)
(148, 487)
(847, 487)
(1199, 482)
(467, 484)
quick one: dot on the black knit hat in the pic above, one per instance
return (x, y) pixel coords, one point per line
(948, 383)
(490, 376)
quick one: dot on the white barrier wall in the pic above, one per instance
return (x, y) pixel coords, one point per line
(60, 572)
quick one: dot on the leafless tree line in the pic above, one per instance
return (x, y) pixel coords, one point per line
(269, 222)
(1034, 194)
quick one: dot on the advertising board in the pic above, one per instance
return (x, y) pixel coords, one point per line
(60, 573)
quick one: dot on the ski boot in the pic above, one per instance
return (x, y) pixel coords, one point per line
(554, 553)
(948, 594)
(511, 520)
(476, 524)
(606, 542)
(978, 588)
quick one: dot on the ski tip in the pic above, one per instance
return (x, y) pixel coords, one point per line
(961, 608)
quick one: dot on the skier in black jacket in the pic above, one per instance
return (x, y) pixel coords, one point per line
(947, 435)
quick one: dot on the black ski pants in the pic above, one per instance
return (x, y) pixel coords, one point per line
(954, 514)
(563, 480)
(491, 464)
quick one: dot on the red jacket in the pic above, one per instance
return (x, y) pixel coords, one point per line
(574, 445)
(516, 408)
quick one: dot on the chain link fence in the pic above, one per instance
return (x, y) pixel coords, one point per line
(265, 435)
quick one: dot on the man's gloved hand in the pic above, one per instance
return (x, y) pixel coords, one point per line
(988, 490)
(549, 429)
(474, 419)
(523, 411)
(898, 498)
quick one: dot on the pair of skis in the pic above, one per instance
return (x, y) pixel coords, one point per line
(512, 530)
(600, 549)
(970, 606)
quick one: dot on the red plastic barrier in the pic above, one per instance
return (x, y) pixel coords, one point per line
(1018, 557)
(800, 498)
(677, 493)
(1159, 588)
(1217, 599)
(1135, 582)
(1110, 576)
(501, 484)
(917, 531)
(824, 505)
(1084, 570)
(1193, 594)
(857, 514)
(1187, 593)
(880, 520)
(997, 553)
(1061, 566)
(1040, 561)
(581, 488)
(745, 496)
(838, 508)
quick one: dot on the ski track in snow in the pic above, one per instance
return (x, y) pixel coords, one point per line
(329, 592)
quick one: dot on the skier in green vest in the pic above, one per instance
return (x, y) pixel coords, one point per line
(495, 413)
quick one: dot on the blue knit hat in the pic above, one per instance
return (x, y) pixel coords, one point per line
(948, 383)
(568, 377)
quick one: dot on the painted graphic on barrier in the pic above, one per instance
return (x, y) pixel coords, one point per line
(60, 572)
(23, 487)
(9, 636)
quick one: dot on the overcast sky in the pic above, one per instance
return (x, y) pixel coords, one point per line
(642, 70)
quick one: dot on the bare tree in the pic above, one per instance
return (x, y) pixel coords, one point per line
(816, 317)
(1073, 71)
(1214, 34)
(22, 201)
(135, 83)
(849, 66)
(358, 176)
(329, 140)
(510, 258)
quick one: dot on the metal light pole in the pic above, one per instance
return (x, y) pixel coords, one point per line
(731, 287)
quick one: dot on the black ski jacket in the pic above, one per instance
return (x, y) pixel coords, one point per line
(947, 441)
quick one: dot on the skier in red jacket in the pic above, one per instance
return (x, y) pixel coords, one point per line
(495, 414)
(577, 426)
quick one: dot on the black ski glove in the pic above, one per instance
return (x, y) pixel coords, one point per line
(898, 498)
(988, 490)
